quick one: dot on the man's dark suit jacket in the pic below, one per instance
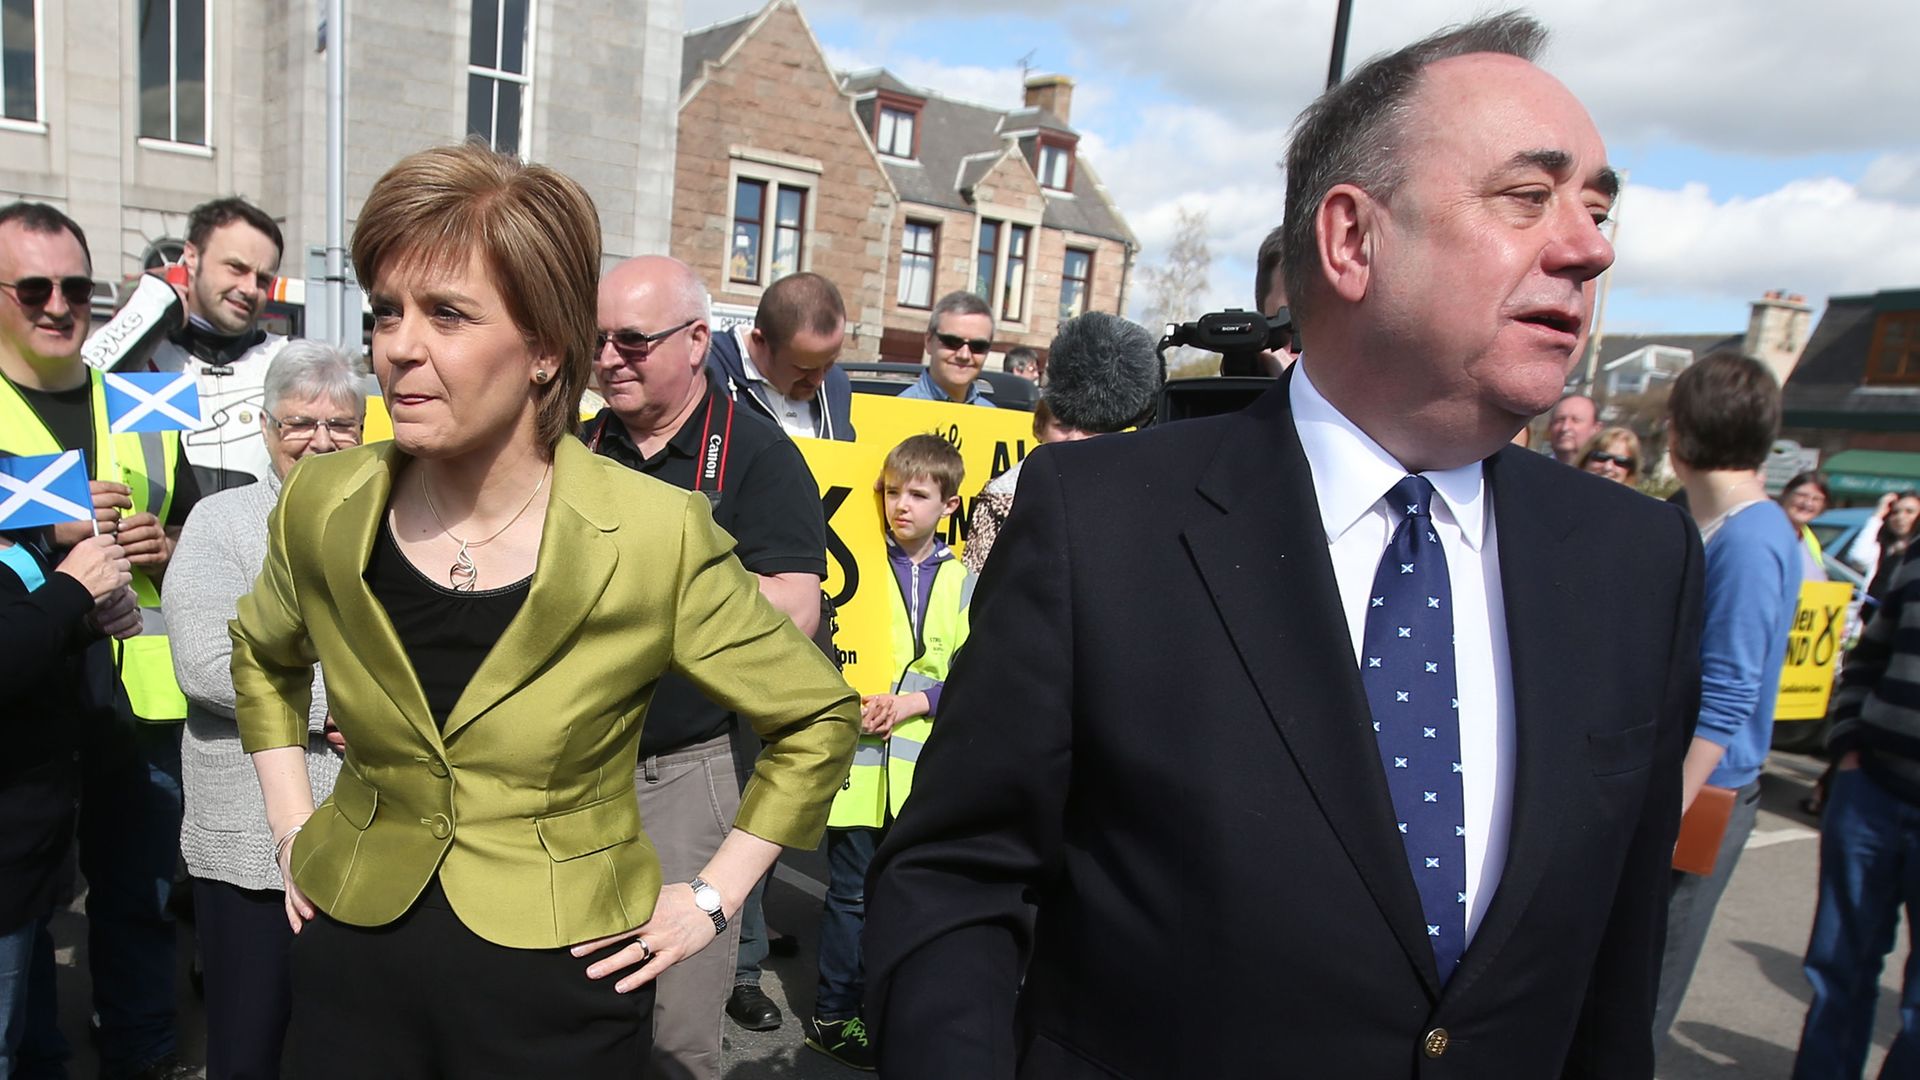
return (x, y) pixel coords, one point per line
(1154, 789)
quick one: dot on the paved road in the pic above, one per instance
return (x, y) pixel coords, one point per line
(1741, 1019)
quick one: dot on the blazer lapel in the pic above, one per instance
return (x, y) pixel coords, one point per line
(1266, 567)
(1533, 523)
(348, 545)
(576, 561)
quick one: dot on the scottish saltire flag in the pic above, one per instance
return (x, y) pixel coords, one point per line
(44, 490)
(155, 401)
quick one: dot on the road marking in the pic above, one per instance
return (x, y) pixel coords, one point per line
(1770, 837)
(809, 885)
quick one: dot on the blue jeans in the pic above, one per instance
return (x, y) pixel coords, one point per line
(16, 954)
(129, 848)
(1690, 905)
(1869, 870)
(753, 935)
(842, 978)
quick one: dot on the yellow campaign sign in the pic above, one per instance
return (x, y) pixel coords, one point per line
(1813, 648)
(859, 579)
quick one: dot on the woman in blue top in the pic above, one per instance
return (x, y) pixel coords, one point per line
(1725, 412)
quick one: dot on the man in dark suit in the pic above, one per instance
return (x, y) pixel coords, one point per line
(1334, 738)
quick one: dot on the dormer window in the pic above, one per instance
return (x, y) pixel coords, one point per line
(1056, 165)
(896, 132)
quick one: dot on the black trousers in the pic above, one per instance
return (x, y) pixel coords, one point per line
(424, 997)
(245, 953)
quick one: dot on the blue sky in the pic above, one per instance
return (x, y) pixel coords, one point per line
(1769, 144)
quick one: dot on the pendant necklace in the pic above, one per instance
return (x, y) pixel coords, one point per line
(462, 576)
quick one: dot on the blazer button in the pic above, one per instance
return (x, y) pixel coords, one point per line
(442, 828)
(437, 767)
(1436, 1042)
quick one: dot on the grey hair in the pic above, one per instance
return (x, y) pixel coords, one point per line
(1103, 374)
(1356, 132)
(314, 369)
(958, 303)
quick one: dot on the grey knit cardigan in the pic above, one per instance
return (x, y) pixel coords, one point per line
(224, 833)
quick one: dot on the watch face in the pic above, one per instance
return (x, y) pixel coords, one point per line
(707, 897)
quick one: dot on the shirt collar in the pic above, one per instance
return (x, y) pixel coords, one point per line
(1352, 473)
(934, 390)
(747, 366)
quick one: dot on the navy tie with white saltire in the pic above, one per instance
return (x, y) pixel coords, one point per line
(1408, 672)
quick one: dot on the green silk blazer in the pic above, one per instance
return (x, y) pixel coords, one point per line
(524, 805)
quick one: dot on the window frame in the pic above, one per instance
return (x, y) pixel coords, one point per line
(1016, 288)
(932, 255)
(733, 216)
(1085, 283)
(912, 118)
(1065, 147)
(774, 172)
(799, 228)
(38, 124)
(1878, 372)
(884, 100)
(523, 79)
(173, 141)
(990, 291)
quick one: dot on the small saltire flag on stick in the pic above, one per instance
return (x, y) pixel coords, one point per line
(44, 490)
(156, 401)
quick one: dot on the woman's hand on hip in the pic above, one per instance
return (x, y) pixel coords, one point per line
(677, 930)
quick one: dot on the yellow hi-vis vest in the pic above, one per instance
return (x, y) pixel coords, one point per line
(882, 772)
(145, 462)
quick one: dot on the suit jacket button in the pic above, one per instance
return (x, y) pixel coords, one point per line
(437, 767)
(1436, 1042)
(442, 828)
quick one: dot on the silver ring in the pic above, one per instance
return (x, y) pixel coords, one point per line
(646, 950)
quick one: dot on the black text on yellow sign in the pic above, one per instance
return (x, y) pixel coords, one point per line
(1813, 648)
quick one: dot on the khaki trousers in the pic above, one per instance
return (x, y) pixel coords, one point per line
(688, 800)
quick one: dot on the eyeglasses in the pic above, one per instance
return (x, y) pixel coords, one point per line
(954, 343)
(633, 344)
(34, 292)
(302, 428)
(1605, 458)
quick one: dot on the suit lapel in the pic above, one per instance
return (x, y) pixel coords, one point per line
(1533, 523)
(576, 562)
(1266, 567)
(348, 545)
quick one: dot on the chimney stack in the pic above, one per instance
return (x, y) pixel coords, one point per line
(1053, 93)
(1777, 331)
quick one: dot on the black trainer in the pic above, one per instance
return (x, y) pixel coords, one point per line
(845, 1041)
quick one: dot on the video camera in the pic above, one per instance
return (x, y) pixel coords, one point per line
(1239, 337)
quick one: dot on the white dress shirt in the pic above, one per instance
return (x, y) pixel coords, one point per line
(1351, 478)
(799, 419)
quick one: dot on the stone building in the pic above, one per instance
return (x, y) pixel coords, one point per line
(126, 114)
(897, 194)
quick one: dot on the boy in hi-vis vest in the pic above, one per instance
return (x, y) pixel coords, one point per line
(919, 487)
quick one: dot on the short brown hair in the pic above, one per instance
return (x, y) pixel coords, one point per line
(928, 456)
(537, 231)
(796, 302)
(1725, 411)
(208, 216)
(1265, 265)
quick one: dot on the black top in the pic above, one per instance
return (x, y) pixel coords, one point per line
(68, 414)
(56, 682)
(446, 634)
(763, 495)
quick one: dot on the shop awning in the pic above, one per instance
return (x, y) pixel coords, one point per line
(1872, 472)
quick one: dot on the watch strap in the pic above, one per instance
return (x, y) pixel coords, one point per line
(715, 913)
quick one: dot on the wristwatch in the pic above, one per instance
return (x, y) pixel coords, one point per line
(707, 899)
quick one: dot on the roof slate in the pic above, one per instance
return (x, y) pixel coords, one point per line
(709, 44)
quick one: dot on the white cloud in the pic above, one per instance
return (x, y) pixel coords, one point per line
(1893, 176)
(1818, 237)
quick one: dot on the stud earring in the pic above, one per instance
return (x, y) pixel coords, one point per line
(542, 375)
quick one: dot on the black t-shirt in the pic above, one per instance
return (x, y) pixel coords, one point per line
(68, 414)
(764, 496)
(446, 634)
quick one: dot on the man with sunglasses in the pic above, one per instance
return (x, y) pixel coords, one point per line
(959, 337)
(669, 417)
(130, 787)
(233, 254)
(784, 366)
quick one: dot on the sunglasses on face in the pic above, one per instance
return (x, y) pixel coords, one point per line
(34, 292)
(1605, 458)
(954, 343)
(634, 344)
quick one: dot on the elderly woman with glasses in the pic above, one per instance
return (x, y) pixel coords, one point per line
(314, 404)
(1613, 453)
